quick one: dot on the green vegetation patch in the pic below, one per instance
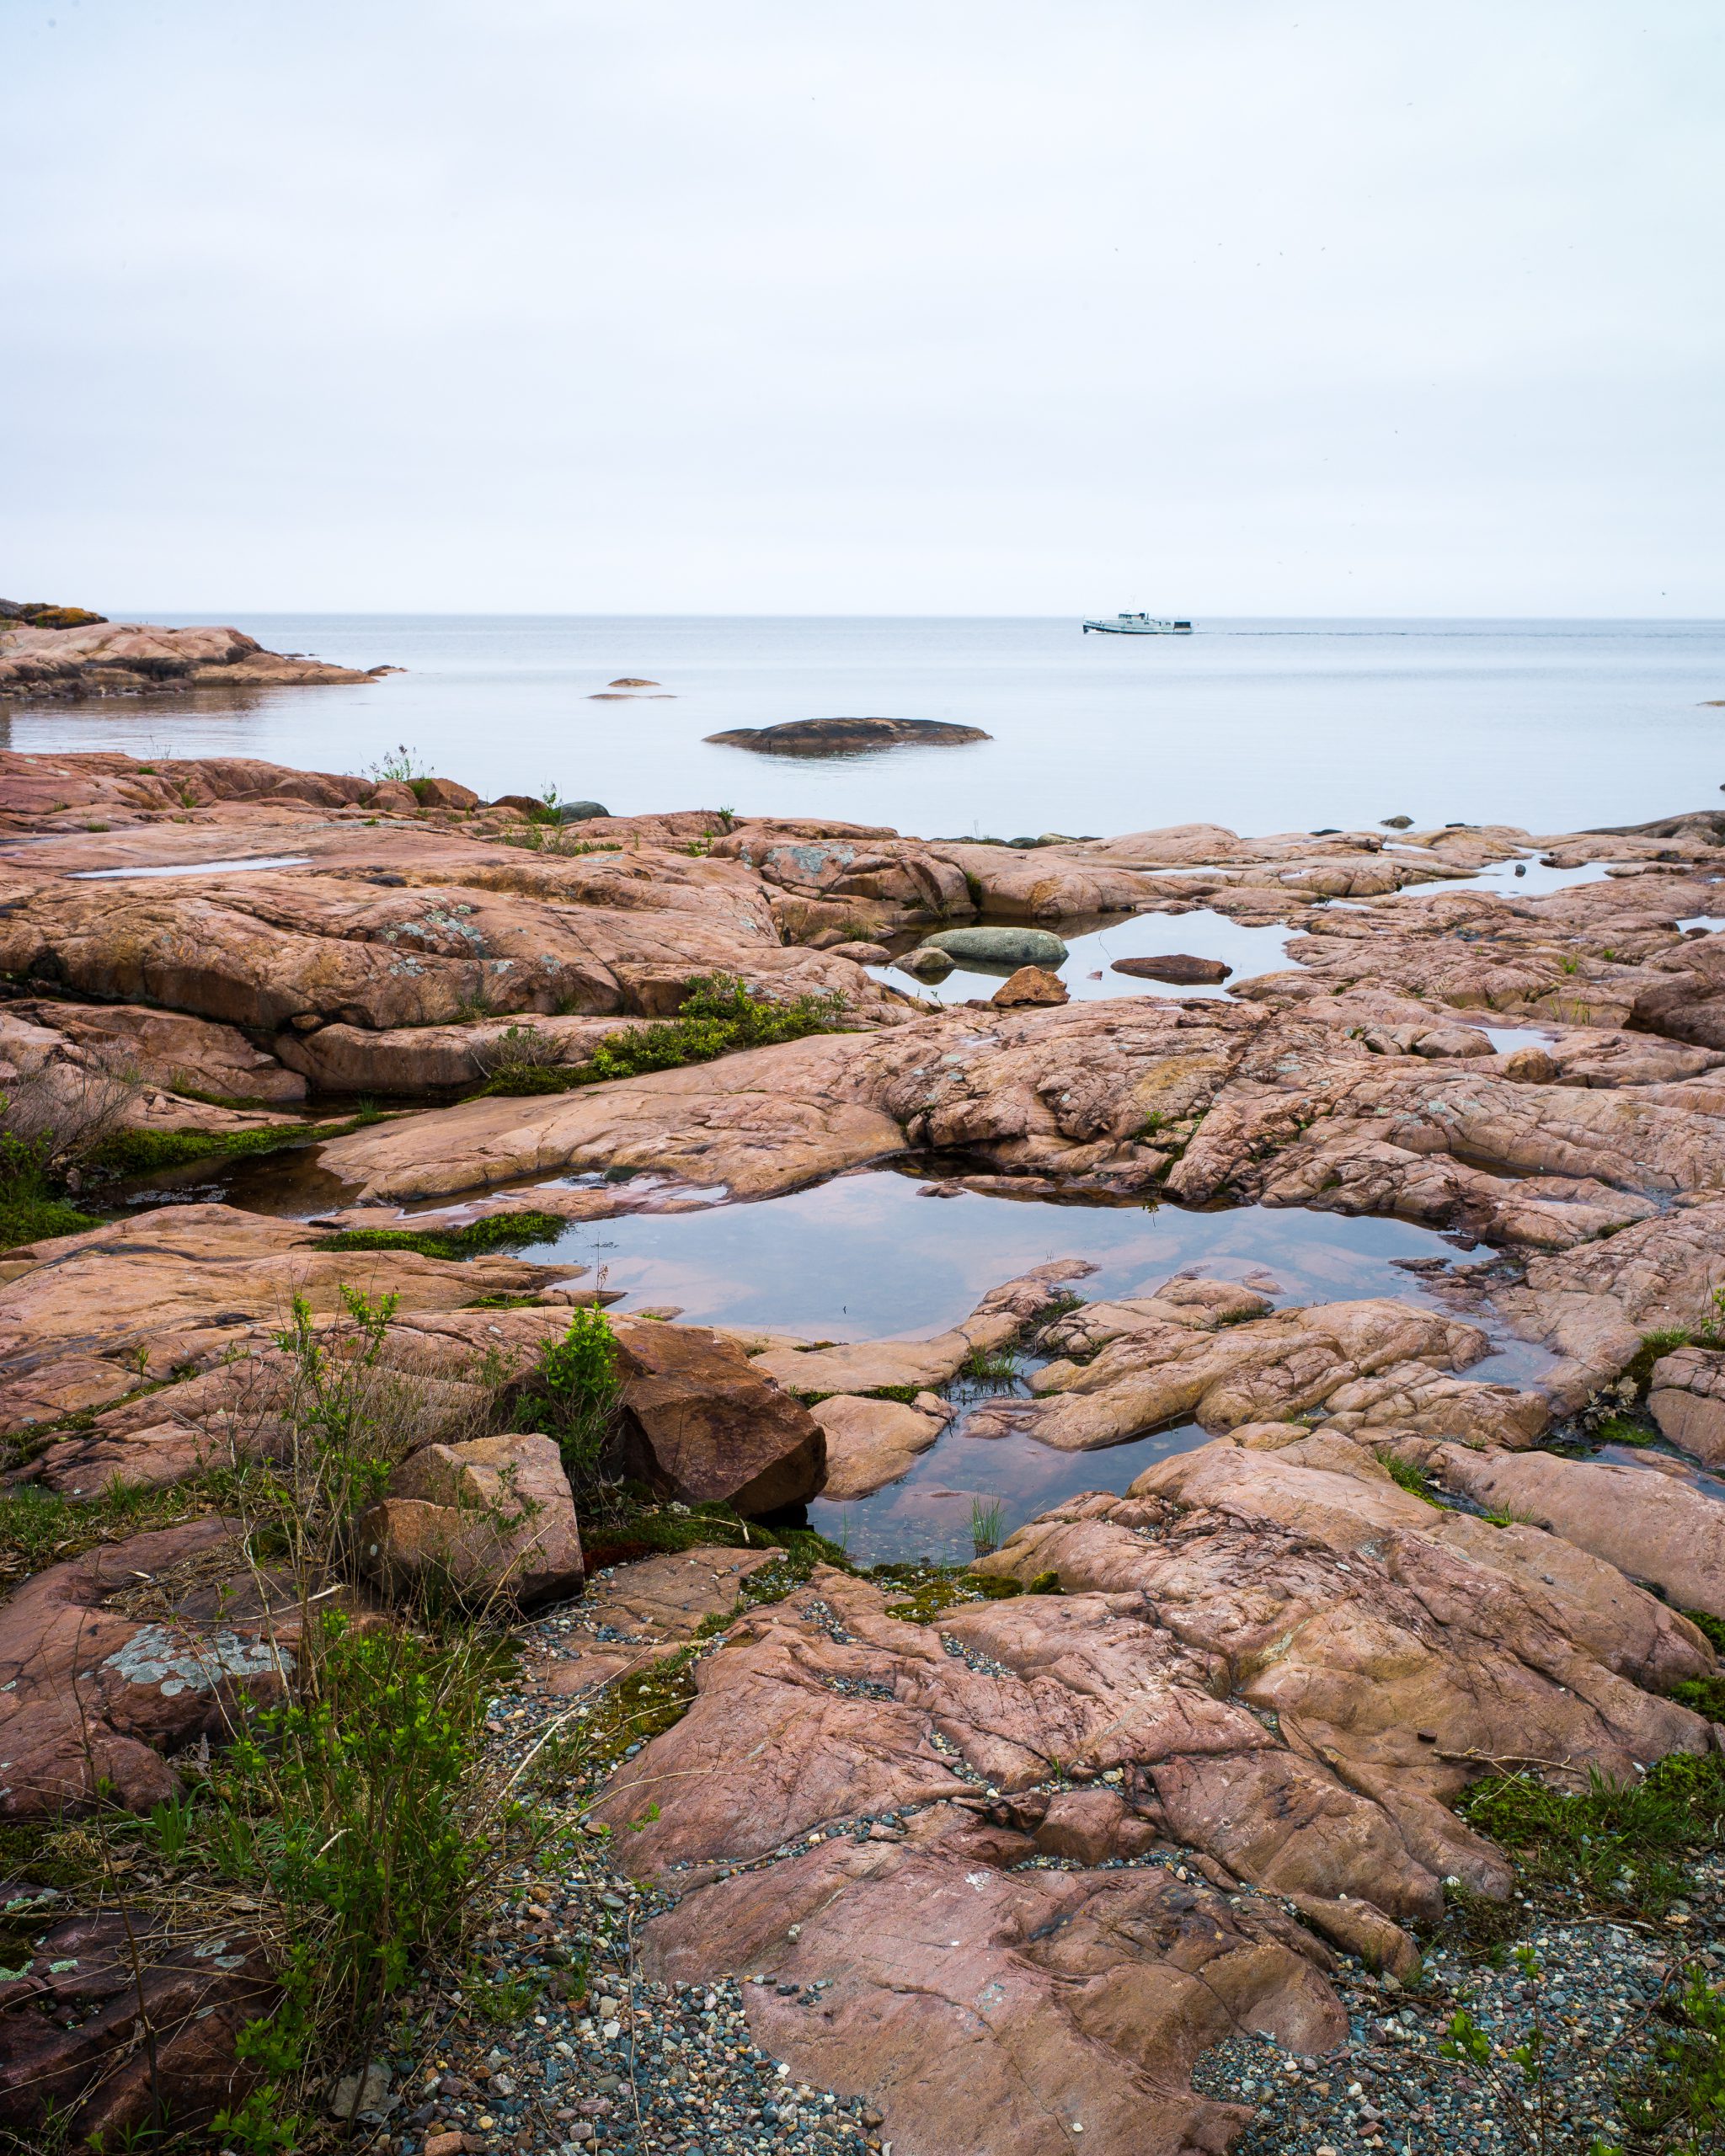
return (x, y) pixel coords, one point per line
(1409, 1477)
(718, 1015)
(1613, 1848)
(39, 1528)
(143, 1152)
(495, 1231)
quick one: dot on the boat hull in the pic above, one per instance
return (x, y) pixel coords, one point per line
(1137, 628)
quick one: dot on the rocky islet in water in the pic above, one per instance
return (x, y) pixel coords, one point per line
(1218, 1733)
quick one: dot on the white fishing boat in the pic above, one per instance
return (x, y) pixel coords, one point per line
(1138, 625)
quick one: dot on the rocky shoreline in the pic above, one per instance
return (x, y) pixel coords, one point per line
(67, 651)
(908, 1856)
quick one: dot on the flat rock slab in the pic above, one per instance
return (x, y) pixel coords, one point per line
(979, 2008)
(871, 1443)
(69, 2059)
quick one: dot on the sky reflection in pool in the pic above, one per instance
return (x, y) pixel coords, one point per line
(866, 1255)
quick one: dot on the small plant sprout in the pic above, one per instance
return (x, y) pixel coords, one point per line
(988, 1519)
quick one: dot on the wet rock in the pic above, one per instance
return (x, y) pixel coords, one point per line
(879, 1365)
(1000, 947)
(846, 737)
(91, 1694)
(1030, 985)
(701, 1423)
(493, 1518)
(1173, 965)
(1686, 1398)
(70, 2061)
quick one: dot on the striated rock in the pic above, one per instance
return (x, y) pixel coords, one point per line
(1173, 965)
(1686, 1398)
(847, 736)
(71, 2069)
(702, 1423)
(1030, 985)
(493, 1518)
(102, 1673)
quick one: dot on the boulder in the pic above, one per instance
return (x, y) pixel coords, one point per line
(494, 1518)
(580, 812)
(846, 737)
(1174, 966)
(1686, 1398)
(71, 2069)
(701, 1423)
(1030, 985)
(1000, 947)
(444, 794)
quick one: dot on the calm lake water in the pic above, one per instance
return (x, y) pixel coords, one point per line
(1262, 725)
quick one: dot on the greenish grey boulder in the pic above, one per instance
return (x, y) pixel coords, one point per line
(999, 946)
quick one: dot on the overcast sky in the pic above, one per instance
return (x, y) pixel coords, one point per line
(863, 306)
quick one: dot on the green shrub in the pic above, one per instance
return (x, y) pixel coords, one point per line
(571, 1395)
(718, 1015)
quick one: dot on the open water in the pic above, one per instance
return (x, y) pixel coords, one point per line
(1259, 725)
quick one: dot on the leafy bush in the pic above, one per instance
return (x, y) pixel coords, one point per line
(571, 1395)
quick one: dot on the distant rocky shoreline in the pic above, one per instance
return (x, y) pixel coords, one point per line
(67, 651)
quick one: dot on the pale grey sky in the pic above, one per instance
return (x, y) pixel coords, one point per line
(864, 306)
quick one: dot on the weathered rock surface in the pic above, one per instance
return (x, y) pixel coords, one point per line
(111, 1661)
(1030, 985)
(70, 2063)
(166, 1049)
(1686, 1398)
(1171, 1364)
(493, 1518)
(629, 1617)
(871, 1443)
(847, 736)
(1056, 2000)
(702, 1423)
(1650, 1521)
(182, 1287)
(123, 658)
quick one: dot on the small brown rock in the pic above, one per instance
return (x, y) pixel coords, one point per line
(1030, 985)
(1176, 966)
